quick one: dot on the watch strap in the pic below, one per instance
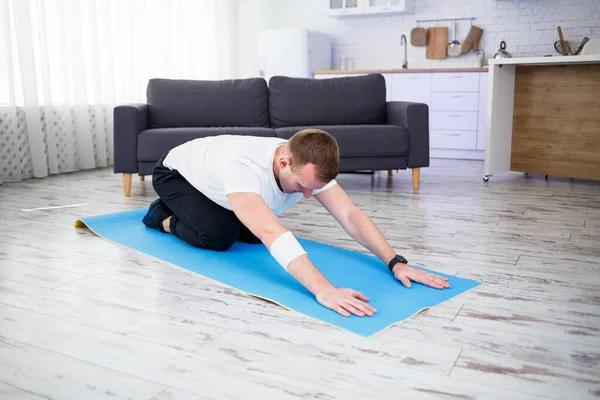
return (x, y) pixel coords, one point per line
(397, 259)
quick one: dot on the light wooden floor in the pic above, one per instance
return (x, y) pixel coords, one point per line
(82, 318)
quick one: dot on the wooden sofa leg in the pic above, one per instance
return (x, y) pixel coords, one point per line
(389, 172)
(127, 184)
(416, 176)
(142, 177)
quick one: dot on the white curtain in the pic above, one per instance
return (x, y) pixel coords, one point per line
(65, 64)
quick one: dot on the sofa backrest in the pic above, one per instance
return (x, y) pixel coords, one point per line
(332, 101)
(203, 103)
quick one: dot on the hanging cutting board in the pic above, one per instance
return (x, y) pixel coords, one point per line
(437, 40)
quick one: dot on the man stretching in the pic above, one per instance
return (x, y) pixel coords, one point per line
(216, 190)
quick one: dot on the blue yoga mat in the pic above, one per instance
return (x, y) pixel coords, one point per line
(251, 269)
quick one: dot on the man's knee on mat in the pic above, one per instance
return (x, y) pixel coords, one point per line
(221, 241)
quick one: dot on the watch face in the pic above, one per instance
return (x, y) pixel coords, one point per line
(401, 259)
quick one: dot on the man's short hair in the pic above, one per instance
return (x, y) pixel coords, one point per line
(317, 147)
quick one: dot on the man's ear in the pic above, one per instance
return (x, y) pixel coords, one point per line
(284, 162)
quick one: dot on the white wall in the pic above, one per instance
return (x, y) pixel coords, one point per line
(250, 21)
(527, 26)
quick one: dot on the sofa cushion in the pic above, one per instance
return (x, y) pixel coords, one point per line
(332, 101)
(361, 140)
(176, 103)
(153, 143)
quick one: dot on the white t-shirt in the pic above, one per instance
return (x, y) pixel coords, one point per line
(223, 164)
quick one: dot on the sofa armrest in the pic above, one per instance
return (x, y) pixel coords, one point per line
(415, 118)
(129, 121)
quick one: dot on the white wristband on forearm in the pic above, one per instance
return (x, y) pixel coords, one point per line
(285, 249)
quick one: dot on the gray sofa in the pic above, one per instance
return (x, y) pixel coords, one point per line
(372, 133)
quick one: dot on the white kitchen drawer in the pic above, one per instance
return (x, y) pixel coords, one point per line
(453, 120)
(455, 82)
(446, 101)
(442, 139)
(414, 87)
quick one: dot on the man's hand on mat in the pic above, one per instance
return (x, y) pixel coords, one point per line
(405, 273)
(345, 302)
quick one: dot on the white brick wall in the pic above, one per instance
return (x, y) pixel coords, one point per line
(527, 26)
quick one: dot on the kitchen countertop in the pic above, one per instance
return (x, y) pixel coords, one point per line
(398, 70)
(554, 60)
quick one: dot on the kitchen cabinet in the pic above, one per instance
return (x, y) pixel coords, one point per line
(453, 120)
(457, 101)
(339, 8)
(454, 114)
(454, 82)
(342, 8)
(372, 7)
(450, 139)
(411, 87)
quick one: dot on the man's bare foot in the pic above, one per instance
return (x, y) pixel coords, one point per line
(166, 223)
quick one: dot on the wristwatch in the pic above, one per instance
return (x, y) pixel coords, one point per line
(395, 260)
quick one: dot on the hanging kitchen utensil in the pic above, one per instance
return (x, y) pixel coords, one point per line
(437, 39)
(454, 48)
(472, 40)
(418, 36)
(502, 53)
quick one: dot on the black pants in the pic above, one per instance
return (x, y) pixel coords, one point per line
(197, 220)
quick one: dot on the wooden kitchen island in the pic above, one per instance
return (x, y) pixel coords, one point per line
(544, 116)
